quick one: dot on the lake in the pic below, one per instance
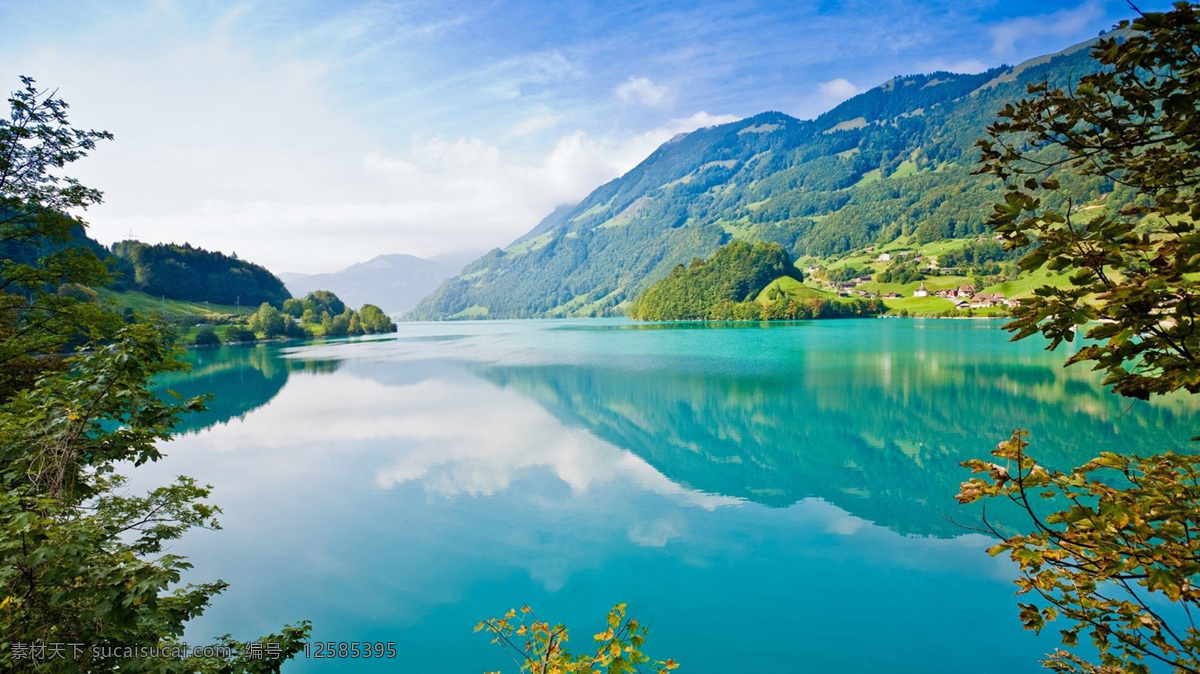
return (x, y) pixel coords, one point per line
(774, 498)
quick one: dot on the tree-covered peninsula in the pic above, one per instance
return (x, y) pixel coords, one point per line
(742, 281)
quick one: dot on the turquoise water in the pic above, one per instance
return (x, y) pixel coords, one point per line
(764, 498)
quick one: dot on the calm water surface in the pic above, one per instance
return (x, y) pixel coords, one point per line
(779, 495)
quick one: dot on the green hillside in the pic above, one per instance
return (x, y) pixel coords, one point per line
(736, 273)
(175, 311)
(185, 272)
(745, 282)
(893, 162)
(792, 289)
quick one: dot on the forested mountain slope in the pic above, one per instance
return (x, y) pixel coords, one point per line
(185, 272)
(170, 271)
(892, 161)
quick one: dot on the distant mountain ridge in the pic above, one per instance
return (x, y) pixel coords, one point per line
(892, 161)
(394, 283)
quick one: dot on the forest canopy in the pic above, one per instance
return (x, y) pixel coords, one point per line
(185, 272)
(735, 273)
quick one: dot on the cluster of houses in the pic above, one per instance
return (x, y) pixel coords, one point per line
(964, 297)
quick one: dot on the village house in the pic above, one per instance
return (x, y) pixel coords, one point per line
(984, 300)
(921, 291)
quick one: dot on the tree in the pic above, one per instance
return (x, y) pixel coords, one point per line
(239, 333)
(269, 321)
(373, 320)
(206, 336)
(737, 272)
(1136, 124)
(37, 234)
(1128, 530)
(541, 649)
(325, 300)
(293, 307)
(82, 560)
(337, 326)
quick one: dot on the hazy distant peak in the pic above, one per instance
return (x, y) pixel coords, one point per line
(395, 282)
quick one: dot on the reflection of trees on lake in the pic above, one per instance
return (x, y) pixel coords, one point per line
(878, 432)
(872, 416)
(241, 378)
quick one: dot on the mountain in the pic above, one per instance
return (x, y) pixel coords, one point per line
(394, 283)
(892, 161)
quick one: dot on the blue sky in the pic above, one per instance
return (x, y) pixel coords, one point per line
(308, 136)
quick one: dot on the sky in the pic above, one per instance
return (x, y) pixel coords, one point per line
(308, 136)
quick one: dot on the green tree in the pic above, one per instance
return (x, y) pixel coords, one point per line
(293, 307)
(736, 272)
(325, 300)
(1136, 124)
(373, 320)
(239, 333)
(269, 321)
(37, 254)
(1127, 539)
(206, 336)
(83, 560)
(338, 325)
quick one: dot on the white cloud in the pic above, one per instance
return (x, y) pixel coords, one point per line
(1063, 23)
(657, 533)
(508, 435)
(254, 154)
(826, 95)
(643, 91)
(837, 90)
(437, 195)
(464, 192)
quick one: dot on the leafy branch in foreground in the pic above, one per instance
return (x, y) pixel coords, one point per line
(37, 255)
(1136, 124)
(1127, 534)
(539, 648)
(81, 560)
(1119, 562)
(84, 564)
